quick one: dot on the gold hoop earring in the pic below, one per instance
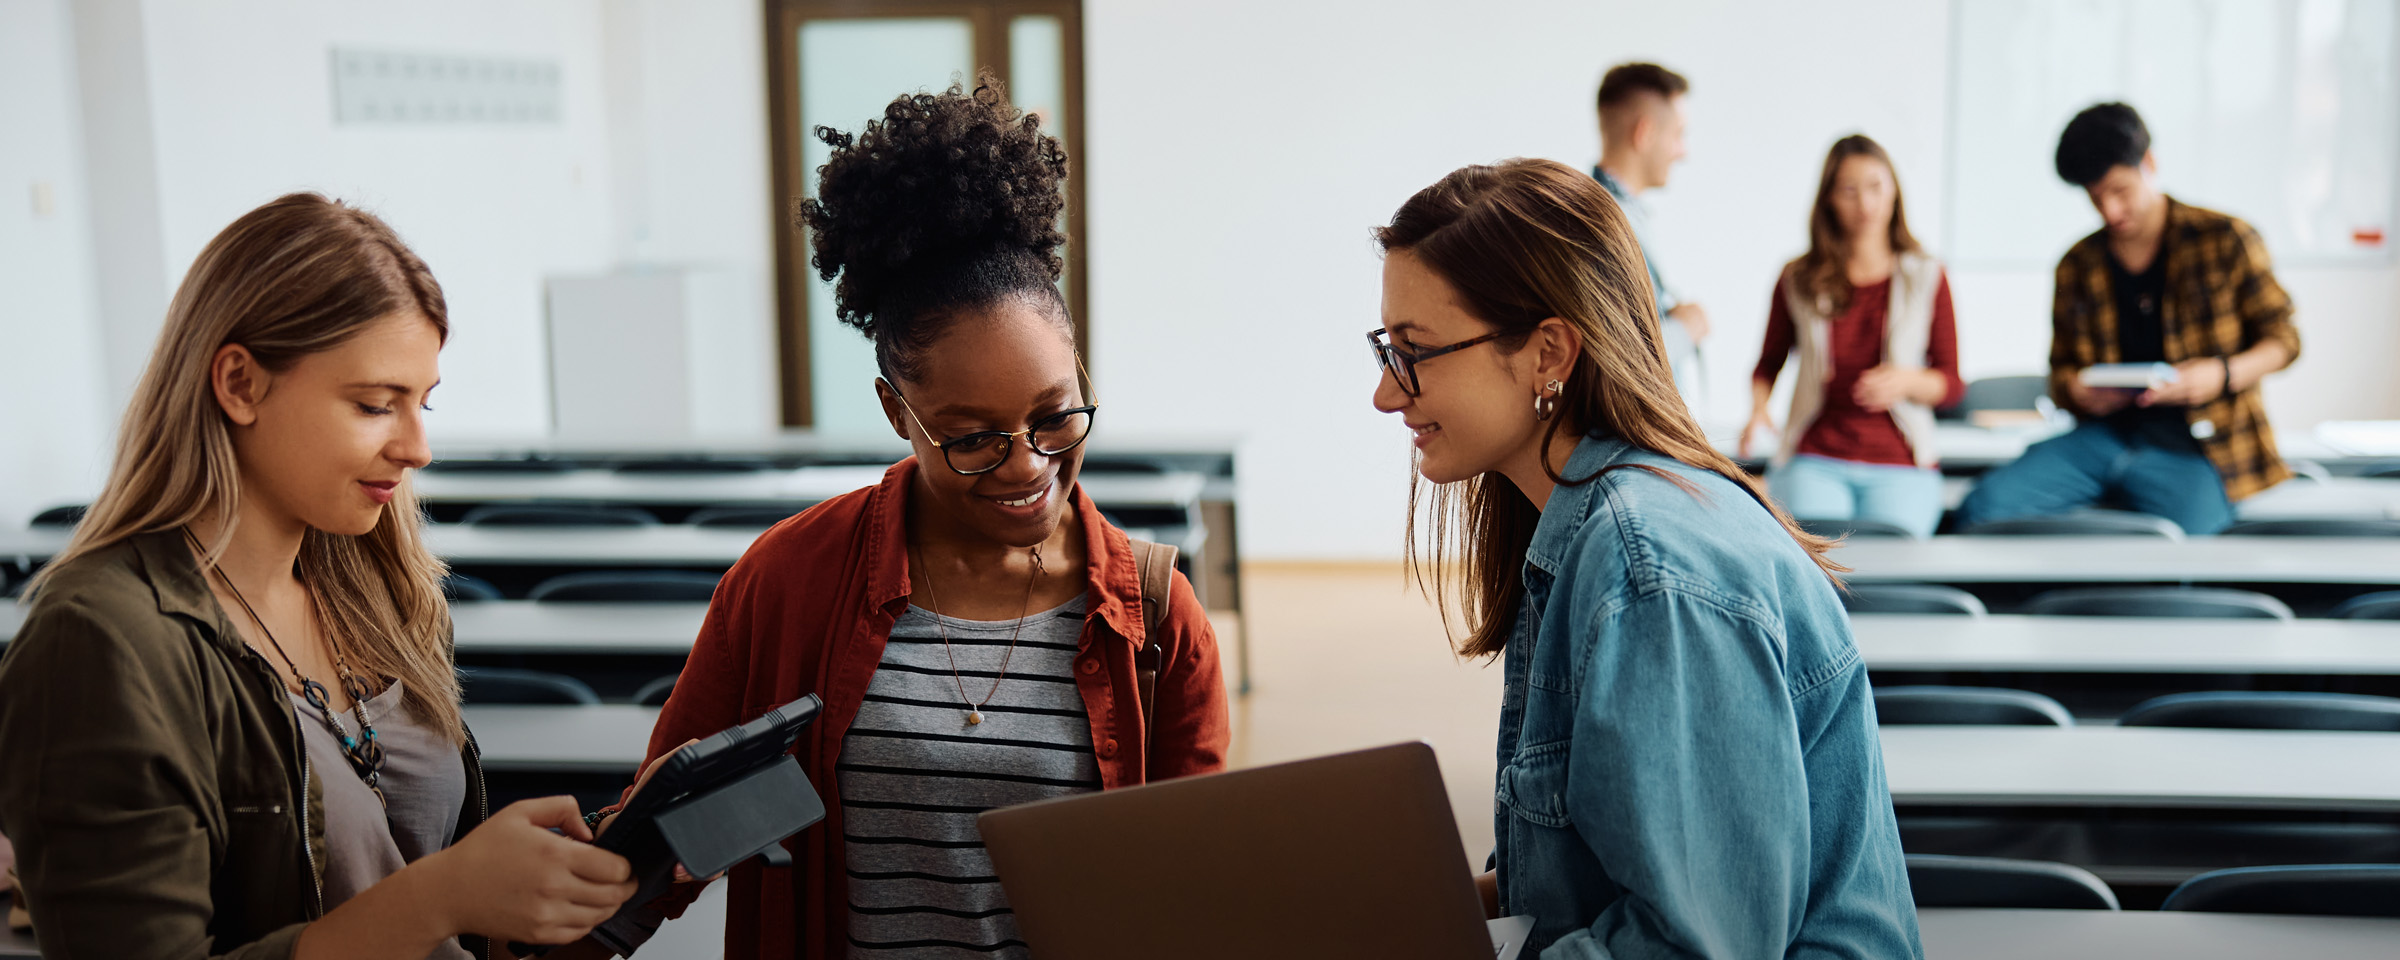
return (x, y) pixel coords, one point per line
(1546, 406)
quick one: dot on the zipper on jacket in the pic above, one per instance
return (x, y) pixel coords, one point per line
(308, 851)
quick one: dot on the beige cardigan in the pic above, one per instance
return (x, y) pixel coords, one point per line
(1907, 329)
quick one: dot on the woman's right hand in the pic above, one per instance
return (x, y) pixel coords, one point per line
(512, 879)
(1760, 421)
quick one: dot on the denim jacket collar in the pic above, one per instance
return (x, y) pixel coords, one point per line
(1561, 527)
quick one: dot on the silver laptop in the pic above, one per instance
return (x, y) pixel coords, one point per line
(1352, 855)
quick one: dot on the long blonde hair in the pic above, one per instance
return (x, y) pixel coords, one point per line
(300, 275)
(1523, 241)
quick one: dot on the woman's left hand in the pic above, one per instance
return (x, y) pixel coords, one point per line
(1884, 387)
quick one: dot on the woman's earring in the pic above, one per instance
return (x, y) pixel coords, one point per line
(1546, 406)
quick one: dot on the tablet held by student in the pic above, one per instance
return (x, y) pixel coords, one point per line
(229, 726)
(976, 628)
(1688, 755)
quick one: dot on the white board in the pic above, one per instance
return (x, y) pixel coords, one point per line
(2285, 113)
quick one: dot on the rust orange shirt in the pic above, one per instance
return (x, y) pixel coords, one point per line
(807, 610)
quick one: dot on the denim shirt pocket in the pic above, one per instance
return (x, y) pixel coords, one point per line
(1533, 787)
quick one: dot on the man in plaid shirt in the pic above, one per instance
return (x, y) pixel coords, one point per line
(2163, 281)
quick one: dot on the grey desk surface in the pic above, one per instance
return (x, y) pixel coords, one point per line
(2127, 645)
(2080, 766)
(1952, 934)
(2143, 767)
(804, 484)
(1950, 559)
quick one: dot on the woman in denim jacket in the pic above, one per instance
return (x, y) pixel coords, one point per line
(1688, 756)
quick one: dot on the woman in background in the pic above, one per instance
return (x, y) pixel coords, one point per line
(1688, 757)
(1868, 313)
(229, 726)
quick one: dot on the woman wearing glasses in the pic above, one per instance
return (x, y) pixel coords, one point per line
(974, 625)
(1688, 757)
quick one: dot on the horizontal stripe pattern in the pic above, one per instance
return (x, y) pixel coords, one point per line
(914, 774)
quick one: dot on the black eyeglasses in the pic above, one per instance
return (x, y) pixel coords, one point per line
(985, 451)
(1401, 362)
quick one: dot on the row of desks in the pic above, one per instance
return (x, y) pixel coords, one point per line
(1897, 642)
(2264, 560)
(2108, 767)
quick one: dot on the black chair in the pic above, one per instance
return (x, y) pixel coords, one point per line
(1999, 393)
(557, 515)
(1995, 883)
(500, 466)
(628, 586)
(2332, 890)
(462, 588)
(2369, 606)
(2213, 602)
(505, 685)
(1967, 706)
(66, 516)
(655, 693)
(1910, 598)
(2081, 523)
(758, 516)
(2314, 527)
(694, 465)
(1854, 528)
(2244, 710)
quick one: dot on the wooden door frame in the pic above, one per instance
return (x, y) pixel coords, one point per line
(789, 177)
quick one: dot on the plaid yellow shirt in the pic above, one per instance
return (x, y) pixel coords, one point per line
(2221, 299)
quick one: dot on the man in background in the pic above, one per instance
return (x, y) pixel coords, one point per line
(1641, 139)
(2161, 282)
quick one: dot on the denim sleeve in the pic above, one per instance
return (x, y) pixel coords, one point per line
(1686, 781)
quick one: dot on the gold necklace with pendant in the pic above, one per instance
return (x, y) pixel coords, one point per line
(975, 707)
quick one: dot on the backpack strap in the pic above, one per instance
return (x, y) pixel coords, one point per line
(1156, 563)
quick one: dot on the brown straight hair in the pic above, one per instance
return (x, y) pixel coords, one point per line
(1523, 241)
(1822, 274)
(300, 275)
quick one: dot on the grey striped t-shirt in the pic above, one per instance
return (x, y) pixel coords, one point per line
(914, 774)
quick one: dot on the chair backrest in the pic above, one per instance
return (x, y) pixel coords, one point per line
(2000, 393)
(2081, 523)
(2315, 527)
(2370, 606)
(2212, 602)
(66, 516)
(1995, 883)
(463, 588)
(655, 693)
(694, 465)
(557, 515)
(507, 685)
(628, 586)
(745, 515)
(2330, 890)
(1910, 598)
(2246, 710)
(1854, 528)
(1968, 706)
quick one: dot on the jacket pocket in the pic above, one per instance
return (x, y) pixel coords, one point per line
(1533, 787)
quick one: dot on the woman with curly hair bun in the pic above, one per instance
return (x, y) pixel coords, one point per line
(974, 625)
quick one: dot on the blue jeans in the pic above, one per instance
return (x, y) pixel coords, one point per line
(1823, 488)
(2092, 464)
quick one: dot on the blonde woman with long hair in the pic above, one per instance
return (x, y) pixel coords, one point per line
(230, 726)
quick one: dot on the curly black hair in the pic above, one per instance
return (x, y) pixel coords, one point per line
(949, 202)
(2101, 138)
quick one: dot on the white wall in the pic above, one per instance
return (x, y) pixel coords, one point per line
(54, 424)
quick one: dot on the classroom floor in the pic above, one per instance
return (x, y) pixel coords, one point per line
(1350, 656)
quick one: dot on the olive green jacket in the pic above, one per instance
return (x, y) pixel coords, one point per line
(151, 770)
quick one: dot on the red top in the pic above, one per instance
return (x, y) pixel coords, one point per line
(1843, 430)
(807, 610)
